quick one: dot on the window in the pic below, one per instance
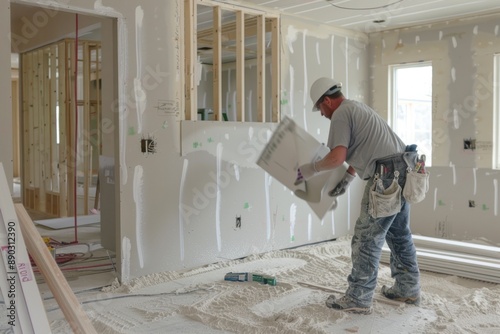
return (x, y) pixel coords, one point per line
(232, 63)
(411, 105)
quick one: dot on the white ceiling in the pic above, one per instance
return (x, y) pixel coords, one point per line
(395, 13)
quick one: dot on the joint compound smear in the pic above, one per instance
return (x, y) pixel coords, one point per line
(181, 210)
(218, 204)
(140, 94)
(126, 248)
(138, 190)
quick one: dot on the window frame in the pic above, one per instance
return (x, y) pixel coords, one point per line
(392, 110)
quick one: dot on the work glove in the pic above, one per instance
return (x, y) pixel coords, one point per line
(305, 172)
(342, 186)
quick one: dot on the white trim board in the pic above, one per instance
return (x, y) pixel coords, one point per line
(455, 258)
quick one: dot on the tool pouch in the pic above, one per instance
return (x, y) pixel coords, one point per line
(416, 186)
(384, 202)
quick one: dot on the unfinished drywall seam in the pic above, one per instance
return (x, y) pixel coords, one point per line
(140, 94)
(495, 197)
(333, 222)
(454, 173)
(474, 173)
(346, 86)
(291, 90)
(218, 198)
(293, 219)
(267, 185)
(309, 227)
(317, 54)
(138, 194)
(435, 198)
(182, 221)
(126, 250)
(332, 60)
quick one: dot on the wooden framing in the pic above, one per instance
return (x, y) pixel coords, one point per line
(191, 59)
(217, 62)
(53, 159)
(276, 75)
(240, 66)
(232, 37)
(261, 68)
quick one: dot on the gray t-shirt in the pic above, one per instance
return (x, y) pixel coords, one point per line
(366, 135)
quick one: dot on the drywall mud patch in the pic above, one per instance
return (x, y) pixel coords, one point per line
(138, 191)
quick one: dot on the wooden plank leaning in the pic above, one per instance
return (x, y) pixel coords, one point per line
(69, 304)
(25, 309)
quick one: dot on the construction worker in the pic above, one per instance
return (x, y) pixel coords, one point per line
(360, 137)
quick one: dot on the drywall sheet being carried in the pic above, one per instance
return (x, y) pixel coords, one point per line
(291, 146)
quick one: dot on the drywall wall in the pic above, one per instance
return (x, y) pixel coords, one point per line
(463, 108)
(196, 196)
(462, 204)
(463, 77)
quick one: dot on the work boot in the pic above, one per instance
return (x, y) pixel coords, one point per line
(345, 304)
(391, 294)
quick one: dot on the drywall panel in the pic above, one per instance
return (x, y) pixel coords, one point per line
(462, 204)
(230, 207)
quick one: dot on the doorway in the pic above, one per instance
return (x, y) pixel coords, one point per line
(66, 85)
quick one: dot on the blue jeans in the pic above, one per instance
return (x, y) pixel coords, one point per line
(370, 234)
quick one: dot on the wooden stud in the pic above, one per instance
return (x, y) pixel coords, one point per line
(87, 174)
(217, 63)
(63, 129)
(71, 100)
(240, 66)
(261, 68)
(45, 143)
(190, 13)
(53, 118)
(275, 68)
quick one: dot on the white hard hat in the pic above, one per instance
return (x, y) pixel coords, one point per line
(323, 86)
